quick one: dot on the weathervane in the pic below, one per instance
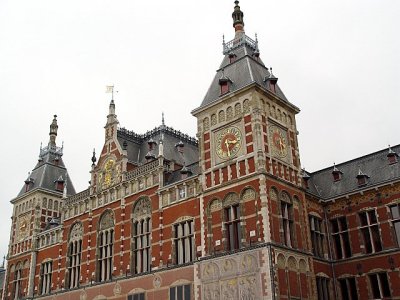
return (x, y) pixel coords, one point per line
(110, 89)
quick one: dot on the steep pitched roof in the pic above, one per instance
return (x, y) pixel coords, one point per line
(137, 145)
(246, 69)
(375, 166)
(49, 168)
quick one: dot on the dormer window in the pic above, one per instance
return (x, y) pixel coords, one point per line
(306, 178)
(362, 178)
(59, 183)
(232, 57)
(392, 156)
(271, 81)
(29, 184)
(336, 173)
(224, 83)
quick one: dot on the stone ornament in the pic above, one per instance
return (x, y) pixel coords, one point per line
(117, 289)
(247, 288)
(107, 220)
(273, 194)
(210, 271)
(230, 199)
(76, 232)
(211, 291)
(229, 289)
(248, 264)
(215, 205)
(249, 194)
(142, 207)
(157, 281)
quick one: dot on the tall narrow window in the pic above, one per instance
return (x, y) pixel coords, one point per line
(348, 288)
(105, 247)
(180, 292)
(287, 220)
(232, 227)
(18, 282)
(139, 296)
(74, 256)
(322, 288)
(370, 231)
(184, 242)
(141, 239)
(340, 236)
(317, 236)
(379, 285)
(45, 277)
(395, 211)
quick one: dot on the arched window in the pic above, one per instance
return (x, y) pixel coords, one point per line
(105, 248)
(74, 256)
(183, 233)
(141, 236)
(232, 221)
(17, 290)
(45, 277)
(287, 220)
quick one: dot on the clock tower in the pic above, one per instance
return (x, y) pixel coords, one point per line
(250, 165)
(37, 207)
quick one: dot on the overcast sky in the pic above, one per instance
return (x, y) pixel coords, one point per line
(337, 60)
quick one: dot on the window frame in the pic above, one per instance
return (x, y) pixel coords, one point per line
(184, 242)
(380, 285)
(370, 231)
(173, 292)
(343, 236)
(232, 227)
(317, 236)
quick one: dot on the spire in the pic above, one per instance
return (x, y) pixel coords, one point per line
(237, 17)
(162, 120)
(53, 131)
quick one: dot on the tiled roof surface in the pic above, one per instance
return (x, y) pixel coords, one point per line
(375, 165)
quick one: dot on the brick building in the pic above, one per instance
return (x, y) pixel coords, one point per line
(229, 215)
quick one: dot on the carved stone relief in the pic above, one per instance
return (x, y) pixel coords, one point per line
(76, 232)
(107, 221)
(249, 194)
(215, 205)
(142, 208)
(230, 199)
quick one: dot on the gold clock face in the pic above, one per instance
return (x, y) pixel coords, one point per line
(228, 142)
(23, 226)
(279, 141)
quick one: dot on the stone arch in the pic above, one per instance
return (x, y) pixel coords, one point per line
(246, 106)
(210, 271)
(285, 197)
(221, 116)
(315, 214)
(44, 202)
(206, 123)
(292, 263)
(238, 109)
(50, 204)
(281, 261)
(76, 232)
(106, 220)
(213, 119)
(248, 193)
(230, 198)
(142, 207)
(303, 266)
(273, 193)
(229, 113)
(284, 117)
(290, 122)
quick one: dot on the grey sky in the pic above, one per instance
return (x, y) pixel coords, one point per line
(338, 60)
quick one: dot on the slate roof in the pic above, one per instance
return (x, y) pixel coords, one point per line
(245, 70)
(176, 176)
(137, 145)
(47, 171)
(375, 165)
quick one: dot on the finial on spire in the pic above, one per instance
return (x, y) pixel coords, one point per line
(162, 119)
(237, 17)
(94, 159)
(53, 131)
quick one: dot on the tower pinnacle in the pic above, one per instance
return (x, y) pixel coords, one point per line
(53, 131)
(237, 17)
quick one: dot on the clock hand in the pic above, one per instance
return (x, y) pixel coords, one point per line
(227, 147)
(232, 142)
